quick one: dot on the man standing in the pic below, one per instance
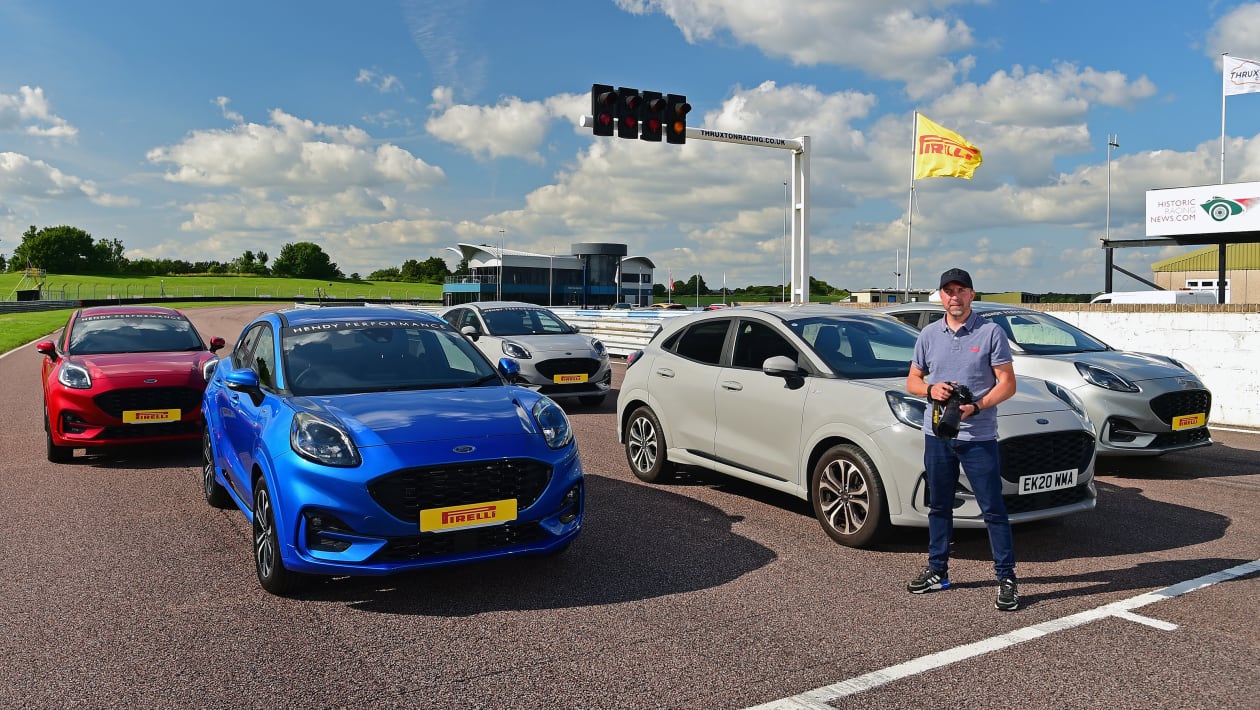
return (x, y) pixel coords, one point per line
(964, 349)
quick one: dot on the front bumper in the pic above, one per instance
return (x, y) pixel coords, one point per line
(339, 521)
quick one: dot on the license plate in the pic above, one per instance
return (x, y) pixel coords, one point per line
(569, 379)
(474, 515)
(1041, 482)
(150, 416)
(1189, 421)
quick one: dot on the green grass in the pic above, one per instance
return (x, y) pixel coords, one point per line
(79, 288)
(17, 329)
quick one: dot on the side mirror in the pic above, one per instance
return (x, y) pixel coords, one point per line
(46, 347)
(509, 368)
(575, 329)
(245, 381)
(470, 332)
(217, 343)
(785, 367)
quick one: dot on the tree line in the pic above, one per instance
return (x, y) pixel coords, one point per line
(70, 250)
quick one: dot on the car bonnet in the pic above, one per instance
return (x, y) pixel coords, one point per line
(428, 415)
(1133, 366)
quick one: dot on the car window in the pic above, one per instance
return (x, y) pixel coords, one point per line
(241, 358)
(755, 342)
(859, 349)
(264, 357)
(703, 341)
(455, 316)
(1041, 334)
(133, 333)
(910, 319)
(933, 316)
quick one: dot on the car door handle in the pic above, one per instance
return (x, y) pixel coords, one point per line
(732, 386)
(664, 372)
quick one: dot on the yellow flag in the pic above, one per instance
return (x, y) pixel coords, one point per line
(939, 152)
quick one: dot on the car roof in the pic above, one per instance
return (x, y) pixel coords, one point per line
(496, 305)
(334, 314)
(977, 306)
(784, 312)
(129, 311)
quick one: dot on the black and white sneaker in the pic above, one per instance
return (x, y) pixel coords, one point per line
(1007, 596)
(929, 580)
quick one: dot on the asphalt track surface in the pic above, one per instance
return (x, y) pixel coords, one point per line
(120, 587)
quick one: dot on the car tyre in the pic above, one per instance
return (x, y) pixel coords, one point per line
(593, 400)
(216, 495)
(268, 565)
(646, 448)
(848, 497)
(56, 454)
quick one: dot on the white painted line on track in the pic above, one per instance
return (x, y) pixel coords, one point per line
(819, 698)
(1236, 431)
(1153, 623)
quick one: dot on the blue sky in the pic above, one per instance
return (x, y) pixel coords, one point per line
(386, 131)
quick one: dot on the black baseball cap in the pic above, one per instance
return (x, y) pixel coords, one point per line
(958, 275)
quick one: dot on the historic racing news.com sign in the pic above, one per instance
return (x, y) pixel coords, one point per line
(1206, 209)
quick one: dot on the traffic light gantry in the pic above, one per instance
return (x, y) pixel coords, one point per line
(647, 115)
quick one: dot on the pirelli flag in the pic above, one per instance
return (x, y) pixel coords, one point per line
(939, 152)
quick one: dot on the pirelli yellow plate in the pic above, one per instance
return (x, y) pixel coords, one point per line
(1189, 421)
(150, 416)
(569, 379)
(467, 516)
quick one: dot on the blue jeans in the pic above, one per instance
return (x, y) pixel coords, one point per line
(981, 462)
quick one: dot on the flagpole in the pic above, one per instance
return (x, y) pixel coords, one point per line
(1223, 70)
(914, 132)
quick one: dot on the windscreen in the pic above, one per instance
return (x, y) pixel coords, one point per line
(380, 356)
(133, 333)
(524, 321)
(1038, 333)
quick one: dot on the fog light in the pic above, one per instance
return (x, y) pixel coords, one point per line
(324, 531)
(72, 423)
(569, 505)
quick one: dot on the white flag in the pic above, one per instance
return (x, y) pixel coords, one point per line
(1241, 76)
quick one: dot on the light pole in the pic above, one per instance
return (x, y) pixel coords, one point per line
(1113, 141)
(500, 289)
(783, 282)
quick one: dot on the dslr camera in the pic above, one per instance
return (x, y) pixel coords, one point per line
(947, 415)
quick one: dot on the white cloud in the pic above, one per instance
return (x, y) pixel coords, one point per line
(512, 128)
(29, 112)
(903, 40)
(383, 83)
(24, 177)
(1236, 32)
(294, 155)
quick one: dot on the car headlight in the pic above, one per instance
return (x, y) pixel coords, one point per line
(908, 410)
(553, 422)
(1070, 399)
(515, 350)
(74, 376)
(599, 348)
(321, 441)
(207, 368)
(1104, 378)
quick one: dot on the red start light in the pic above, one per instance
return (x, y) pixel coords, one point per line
(606, 119)
(654, 124)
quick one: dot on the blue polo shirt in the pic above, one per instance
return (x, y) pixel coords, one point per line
(968, 356)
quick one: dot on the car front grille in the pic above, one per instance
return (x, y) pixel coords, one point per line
(1177, 404)
(1185, 437)
(406, 492)
(115, 402)
(1045, 453)
(568, 366)
(1046, 500)
(485, 539)
(128, 432)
